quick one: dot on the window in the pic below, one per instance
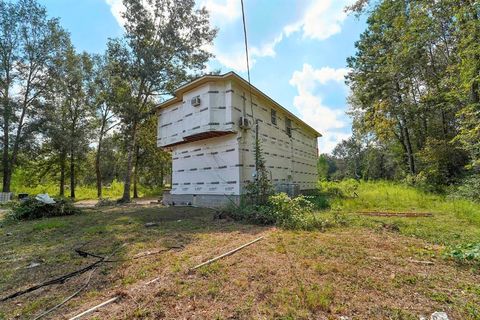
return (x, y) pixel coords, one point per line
(288, 126)
(274, 117)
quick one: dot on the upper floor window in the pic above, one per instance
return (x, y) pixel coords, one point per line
(274, 117)
(288, 126)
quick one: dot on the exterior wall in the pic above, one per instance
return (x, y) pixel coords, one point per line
(290, 160)
(201, 200)
(213, 171)
(209, 166)
(182, 120)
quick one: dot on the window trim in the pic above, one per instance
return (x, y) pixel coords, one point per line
(273, 115)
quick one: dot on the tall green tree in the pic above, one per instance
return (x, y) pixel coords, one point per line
(29, 41)
(163, 45)
(404, 84)
(69, 112)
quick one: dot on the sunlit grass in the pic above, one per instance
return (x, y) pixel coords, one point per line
(454, 221)
(112, 191)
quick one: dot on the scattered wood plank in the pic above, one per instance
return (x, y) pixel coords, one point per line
(421, 261)
(149, 253)
(226, 254)
(397, 214)
(87, 312)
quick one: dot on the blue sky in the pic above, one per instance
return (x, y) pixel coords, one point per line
(298, 49)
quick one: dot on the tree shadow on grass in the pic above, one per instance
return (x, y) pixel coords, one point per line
(35, 251)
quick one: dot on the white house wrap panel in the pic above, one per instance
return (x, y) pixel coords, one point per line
(213, 155)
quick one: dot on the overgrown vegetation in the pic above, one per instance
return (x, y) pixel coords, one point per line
(451, 222)
(31, 209)
(415, 96)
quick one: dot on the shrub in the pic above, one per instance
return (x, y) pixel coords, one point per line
(31, 208)
(468, 253)
(282, 211)
(470, 188)
(290, 213)
(343, 189)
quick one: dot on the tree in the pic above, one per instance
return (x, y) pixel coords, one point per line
(152, 164)
(404, 83)
(162, 46)
(103, 100)
(326, 166)
(69, 111)
(29, 41)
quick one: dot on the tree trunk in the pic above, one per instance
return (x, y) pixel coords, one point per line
(162, 173)
(98, 172)
(128, 174)
(135, 174)
(62, 173)
(72, 174)
(6, 144)
(408, 144)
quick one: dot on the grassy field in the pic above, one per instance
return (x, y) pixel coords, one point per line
(112, 191)
(364, 267)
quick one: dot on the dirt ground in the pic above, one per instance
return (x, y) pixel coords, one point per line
(357, 272)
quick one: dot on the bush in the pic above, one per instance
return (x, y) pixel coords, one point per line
(469, 253)
(31, 208)
(282, 211)
(469, 189)
(343, 189)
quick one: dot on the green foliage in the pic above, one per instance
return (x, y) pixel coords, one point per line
(453, 221)
(282, 211)
(415, 82)
(467, 253)
(326, 166)
(258, 190)
(469, 188)
(342, 189)
(114, 190)
(31, 208)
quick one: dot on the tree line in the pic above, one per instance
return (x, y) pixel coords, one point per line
(70, 115)
(415, 95)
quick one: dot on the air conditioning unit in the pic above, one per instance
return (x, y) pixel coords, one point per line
(244, 123)
(195, 101)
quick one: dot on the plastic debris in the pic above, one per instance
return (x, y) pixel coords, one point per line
(45, 198)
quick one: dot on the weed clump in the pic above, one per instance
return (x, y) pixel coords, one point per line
(281, 210)
(466, 254)
(31, 209)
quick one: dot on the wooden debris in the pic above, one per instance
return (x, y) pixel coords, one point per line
(226, 254)
(151, 224)
(421, 261)
(397, 214)
(149, 253)
(87, 312)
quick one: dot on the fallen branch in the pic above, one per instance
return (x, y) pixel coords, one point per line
(421, 261)
(149, 253)
(86, 312)
(226, 254)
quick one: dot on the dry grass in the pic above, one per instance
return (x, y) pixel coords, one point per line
(360, 272)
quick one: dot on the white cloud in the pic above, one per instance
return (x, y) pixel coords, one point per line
(321, 20)
(326, 120)
(222, 11)
(117, 9)
(235, 57)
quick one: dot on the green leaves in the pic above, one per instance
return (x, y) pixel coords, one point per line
(469, 253)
